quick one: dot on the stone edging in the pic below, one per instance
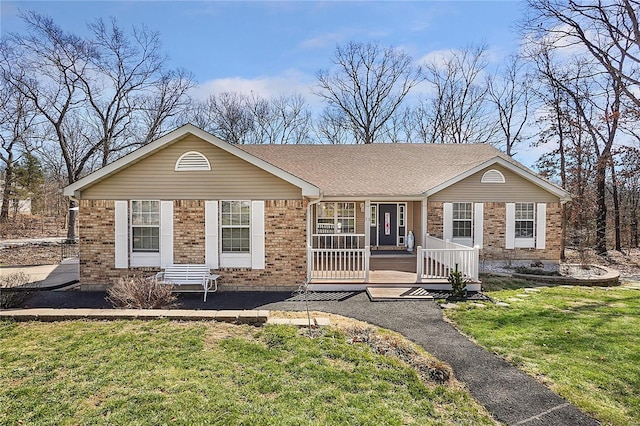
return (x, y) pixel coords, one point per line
(610, 278)
(254, 316)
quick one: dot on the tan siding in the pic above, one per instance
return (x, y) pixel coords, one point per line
(230, 177)
(515, 189)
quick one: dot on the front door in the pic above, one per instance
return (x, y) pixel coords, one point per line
(387, 224)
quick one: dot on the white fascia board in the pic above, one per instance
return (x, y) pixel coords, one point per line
(374, 198)
(308, 190)
(522, 172)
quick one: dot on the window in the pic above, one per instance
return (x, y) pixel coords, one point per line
(374, 215)
(235, 224)
(336, 217)
(401, 214)
(524, 215)
(145, 226)
(462, 219)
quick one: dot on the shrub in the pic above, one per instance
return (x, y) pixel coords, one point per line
(140, 293)
(458, 284)
(11, 298)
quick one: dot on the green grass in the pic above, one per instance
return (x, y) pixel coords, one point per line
(584, 342)
(160, 372)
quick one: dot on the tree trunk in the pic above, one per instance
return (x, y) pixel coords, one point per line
(601, 214)
(7, 191)
(616, 208)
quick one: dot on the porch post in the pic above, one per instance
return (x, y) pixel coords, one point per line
(367, 238)
(423, 223)
(367, 223)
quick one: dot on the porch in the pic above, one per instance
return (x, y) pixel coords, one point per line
(344, 261)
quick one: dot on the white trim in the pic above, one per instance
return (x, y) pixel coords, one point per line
(510, 226)
(235, 260)
(524, 173)
(166, 233)
(541, 226)
(478, 223)
(257, 235)
(211, 234)
(75, 189)
(192, 161)
(447, 221)
(121, 218)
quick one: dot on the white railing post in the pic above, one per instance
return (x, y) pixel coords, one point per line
(309, 263)
(367, 254)
(420, 262)
(476, 263)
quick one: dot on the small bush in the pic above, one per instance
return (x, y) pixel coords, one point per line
(13, 299)
(140, 293)
(458, 284)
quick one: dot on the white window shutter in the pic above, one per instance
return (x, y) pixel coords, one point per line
(541, 226)
(447, 221)
(510, 231)
(211, 234)
(478, 221)
(122, 233)
(257, 235)
(166, 233)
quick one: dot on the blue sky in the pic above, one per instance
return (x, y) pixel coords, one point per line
(286, 43)
(278, 47)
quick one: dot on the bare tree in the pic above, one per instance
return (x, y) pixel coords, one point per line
(511, 94)
(332, 127)
(252, 119)
(163, 103)
(281, 120)
(458, 110)
(90, 93)
(226, 116)
(367, 85)
(16, 124)
(607, 30)
(44, 66)
(597, 100)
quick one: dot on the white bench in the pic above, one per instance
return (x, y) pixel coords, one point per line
(186, 274)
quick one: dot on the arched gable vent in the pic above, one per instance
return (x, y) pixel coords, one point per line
(492, 176)
(192, 161)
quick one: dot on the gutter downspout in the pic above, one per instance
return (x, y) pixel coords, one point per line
(309, 233)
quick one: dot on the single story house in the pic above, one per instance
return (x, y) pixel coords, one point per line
(338, 216)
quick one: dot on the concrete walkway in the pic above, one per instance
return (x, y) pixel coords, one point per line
(48, 277)
(509, 394)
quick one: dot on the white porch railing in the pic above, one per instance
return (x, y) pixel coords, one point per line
(440, 257)
(338, 241)
(338, 263)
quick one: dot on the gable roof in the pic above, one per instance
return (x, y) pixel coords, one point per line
(390, 170)
(75, 188)
(373, 170)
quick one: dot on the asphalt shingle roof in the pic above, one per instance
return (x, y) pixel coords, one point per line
(376, 169)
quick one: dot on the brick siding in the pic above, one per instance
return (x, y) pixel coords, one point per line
(494, 229)
(285, 246)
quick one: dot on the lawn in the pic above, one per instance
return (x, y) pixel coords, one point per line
(583, 342)
(161, 372)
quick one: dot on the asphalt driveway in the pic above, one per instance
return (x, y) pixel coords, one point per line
(509, 394)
